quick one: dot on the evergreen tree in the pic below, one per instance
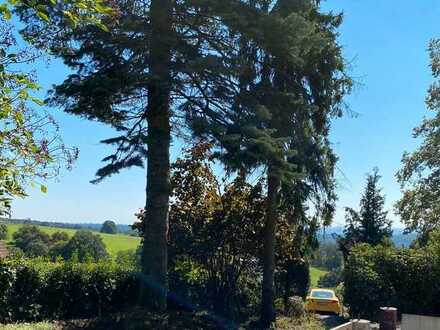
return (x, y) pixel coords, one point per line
(158, 62)
(254, 75)
(291, 84)
(370, 225)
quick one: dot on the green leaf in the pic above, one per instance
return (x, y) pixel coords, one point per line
(43, 189)
(4, 10)
(37, 101)
(43, 16)
(102, 27)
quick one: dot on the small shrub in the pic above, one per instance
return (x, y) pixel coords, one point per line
(331, 279)
(295, 307)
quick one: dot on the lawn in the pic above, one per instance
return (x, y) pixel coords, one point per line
(114, 243)
(171, 320)
(28, 326)
(315, 275)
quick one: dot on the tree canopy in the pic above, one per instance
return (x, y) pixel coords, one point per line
(84, 246)
(419, 208)
(109, 227)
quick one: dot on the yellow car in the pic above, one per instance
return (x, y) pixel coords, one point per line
(321, 300)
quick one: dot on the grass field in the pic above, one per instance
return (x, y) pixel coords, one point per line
(114, 243)
(315, 275)
(28, 326)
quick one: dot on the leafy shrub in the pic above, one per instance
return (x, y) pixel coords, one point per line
(293, 279)
(327, 256)
(35, 289)
(36, 248)
(295, 307)
(59, 236)
(129, 258)
(26, 290)
(6, 283)
(331, 279)
(32, 241)
(408, 279)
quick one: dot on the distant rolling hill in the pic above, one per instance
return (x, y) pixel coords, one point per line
(399, 238)
(114, 243)
(123, 229)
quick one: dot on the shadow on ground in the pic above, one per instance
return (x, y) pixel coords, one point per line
(331, 321)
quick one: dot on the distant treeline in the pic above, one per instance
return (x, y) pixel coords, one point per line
(399, 238)
(123, 229)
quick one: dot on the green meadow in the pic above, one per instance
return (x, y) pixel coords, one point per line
(315, 275)
(114, 243)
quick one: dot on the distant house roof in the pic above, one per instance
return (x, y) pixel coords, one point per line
(3, 250)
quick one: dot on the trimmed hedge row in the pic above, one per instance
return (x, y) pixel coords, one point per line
(32, 290)
(408, 279)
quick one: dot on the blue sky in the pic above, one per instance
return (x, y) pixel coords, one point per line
(385, 43)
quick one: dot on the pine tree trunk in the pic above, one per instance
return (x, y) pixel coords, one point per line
(268, 289)
(155, 250)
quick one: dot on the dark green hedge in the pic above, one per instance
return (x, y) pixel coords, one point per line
(32, 290)
(408, 279)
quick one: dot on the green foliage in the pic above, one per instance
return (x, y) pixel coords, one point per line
(113, 243)
(327, 256)
(84, 246)
(215, 232)
(73, 12)
(315, 275)
(331, 279)
(129, 258)
(109, 227)
(31, 147)
(195, 73)
(295, 307)
(28, 326)
(35, 290)
(293, 279)
(419, 207)
(371, 224)
(3, 232)
(59, 236)
(32, 241)
(385, 276)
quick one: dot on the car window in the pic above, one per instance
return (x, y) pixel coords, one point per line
(322, 294)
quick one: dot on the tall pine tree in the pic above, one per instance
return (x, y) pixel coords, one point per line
(159, 62)
(259, 76)
(291, 85)
(371, 224)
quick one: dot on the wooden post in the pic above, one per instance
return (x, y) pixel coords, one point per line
(388, 318)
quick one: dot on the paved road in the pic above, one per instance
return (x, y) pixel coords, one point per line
(331, 321)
